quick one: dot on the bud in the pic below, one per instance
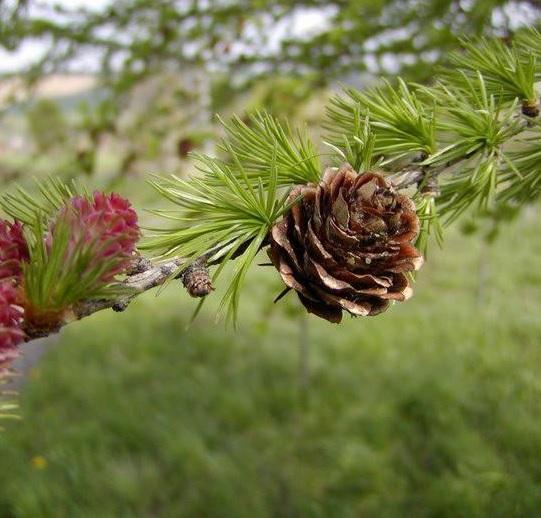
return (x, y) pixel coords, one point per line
(196, 280)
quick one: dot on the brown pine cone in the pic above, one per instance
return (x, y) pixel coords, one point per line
(347, 244)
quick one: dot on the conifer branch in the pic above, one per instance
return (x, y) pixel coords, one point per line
(147, 276)
(416, 172)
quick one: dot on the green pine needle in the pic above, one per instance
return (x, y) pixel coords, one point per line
(471, 120)
(254, 144)
(401, 123)
(521, 177)
(470, 187)
(357, 148)
(219, 215)
(509, 73)
(61, 272)
(530, 43)
(430, 223)
(33, 209)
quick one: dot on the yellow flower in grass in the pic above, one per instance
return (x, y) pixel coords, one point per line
(39, 462)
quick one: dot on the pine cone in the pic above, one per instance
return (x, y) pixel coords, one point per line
(346, 245)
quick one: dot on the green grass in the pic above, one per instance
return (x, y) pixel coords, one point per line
(432, 409)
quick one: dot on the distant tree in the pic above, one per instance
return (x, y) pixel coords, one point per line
(135, 38)
(46, 125)
(226, 46)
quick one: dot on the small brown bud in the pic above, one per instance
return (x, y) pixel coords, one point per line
(196, 280)
(184, 146)
(530, 108)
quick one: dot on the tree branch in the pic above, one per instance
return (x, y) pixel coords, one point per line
(146, 276)
(143, 275)
(415, 173)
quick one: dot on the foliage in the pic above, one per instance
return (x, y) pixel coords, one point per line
(46, 125)
(34, 210)
(234, 46)
(263, 140)
(524, 164)
(401, 123)
(508, 72)
(236, 36)
(223, 215)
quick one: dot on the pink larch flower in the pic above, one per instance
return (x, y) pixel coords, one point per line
(11, 318)
(109, 224)
(13, 249)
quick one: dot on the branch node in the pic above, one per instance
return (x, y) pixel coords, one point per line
(530, 108)
(429, 188)
(139, 264)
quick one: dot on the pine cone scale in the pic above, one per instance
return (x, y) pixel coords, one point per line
(279, 234)
(361, 308)
(327, 280)
(331, 313)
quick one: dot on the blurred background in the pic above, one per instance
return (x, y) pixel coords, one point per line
(432, 409)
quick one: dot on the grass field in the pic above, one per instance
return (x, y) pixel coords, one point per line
(433, 409)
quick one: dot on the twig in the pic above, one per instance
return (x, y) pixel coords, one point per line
(415, 173)
(150, 276)
(142, 276)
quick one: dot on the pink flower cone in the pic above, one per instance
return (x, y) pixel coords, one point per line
(11, 318)
(13, 249)
(108, 223)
